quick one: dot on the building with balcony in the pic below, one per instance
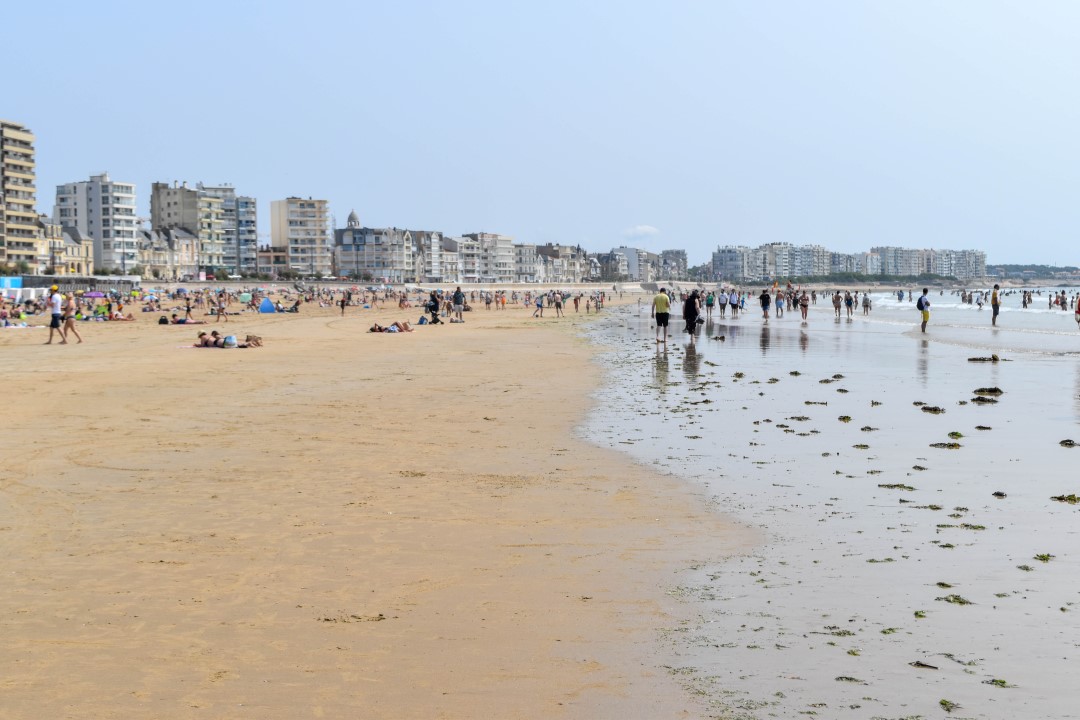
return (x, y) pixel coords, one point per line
(302, 226)
(196, 211)
(239, 227)
(18, 196)
(495, 258)
(103, 211)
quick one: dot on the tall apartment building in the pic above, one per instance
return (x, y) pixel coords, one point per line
(239, 226)
(302, 227)
(199, 213)
(103, 211)
(18, 195)
(496, 257)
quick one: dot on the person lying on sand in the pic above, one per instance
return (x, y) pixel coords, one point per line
(216, 340)
(395, 327)
(176, 320)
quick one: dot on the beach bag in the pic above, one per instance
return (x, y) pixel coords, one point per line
(919, 304)
(422, 320)
(230, 341)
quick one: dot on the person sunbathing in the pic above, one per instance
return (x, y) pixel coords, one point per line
(176, 320)
(217, 340)
(393, 327)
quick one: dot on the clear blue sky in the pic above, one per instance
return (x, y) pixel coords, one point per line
(661, 124)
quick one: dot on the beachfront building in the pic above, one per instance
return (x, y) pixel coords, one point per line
(613, 266)
(467, 251)
(239, 227)
(384, 254)
(451, 265)
(638, 267)
(195, 211)
(563, 263)
(428, 255)
(528, 266)
(272, 261)
(103, 210)
(170, 254)
(18, 196)
(77, 255)
(673, 265)
(731, 263)
(302, 226)
(494, 257)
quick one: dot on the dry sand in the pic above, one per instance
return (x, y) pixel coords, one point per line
(338, 524)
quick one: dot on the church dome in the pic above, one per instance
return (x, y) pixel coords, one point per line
(354, 219)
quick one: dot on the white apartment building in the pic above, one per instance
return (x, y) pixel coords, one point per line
(528, 267)
(302, 227)
(495, 261)
(102, 210)
(637, 264)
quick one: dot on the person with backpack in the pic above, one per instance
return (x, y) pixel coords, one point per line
(923, 306)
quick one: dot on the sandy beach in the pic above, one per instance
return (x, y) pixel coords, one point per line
(338, 524)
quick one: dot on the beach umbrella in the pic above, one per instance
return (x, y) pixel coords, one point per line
(245, 297)
(95, 293)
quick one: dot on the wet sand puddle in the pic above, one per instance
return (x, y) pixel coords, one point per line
(916, 564)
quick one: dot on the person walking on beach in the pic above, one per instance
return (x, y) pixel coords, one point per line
(459, 304)
(721, 302)
(766, 300)
(71, 309)
(923, 306)
(995, 305)
(866, 303)
(221, 308)
(661, 307)
(836, 302)
(691, 310)
(804, 304)
(710, 300)
(56, 309)
(558, 304)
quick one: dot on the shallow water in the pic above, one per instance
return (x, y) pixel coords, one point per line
(822, 618)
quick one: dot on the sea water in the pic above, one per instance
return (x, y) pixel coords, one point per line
(892, 578)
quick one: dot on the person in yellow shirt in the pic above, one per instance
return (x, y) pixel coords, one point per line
(995, 304)
(661, 309)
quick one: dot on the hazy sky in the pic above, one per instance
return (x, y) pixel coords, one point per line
(658, 124)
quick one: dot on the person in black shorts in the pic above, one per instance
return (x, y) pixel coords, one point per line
(661, 308)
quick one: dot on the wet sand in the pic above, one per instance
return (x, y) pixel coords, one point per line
(335, 525)
(876, 539)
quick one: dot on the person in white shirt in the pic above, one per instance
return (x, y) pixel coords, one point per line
(56, 309)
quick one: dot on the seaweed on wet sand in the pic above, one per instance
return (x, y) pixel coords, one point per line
(932, 409)
(948, 705)
(946, 445)
(955, 600)
(844, 418)
(989, 391)
(1070, 499)
(982, 400)
(1067, 443)
(895, 486)
(1044, 557)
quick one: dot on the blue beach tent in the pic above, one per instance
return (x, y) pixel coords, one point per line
(266, 306)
